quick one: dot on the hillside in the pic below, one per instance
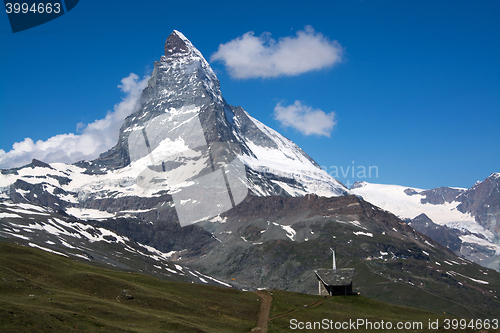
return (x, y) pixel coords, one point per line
(274, 243)
(44, 292)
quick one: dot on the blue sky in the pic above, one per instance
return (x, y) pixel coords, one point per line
(415, 94)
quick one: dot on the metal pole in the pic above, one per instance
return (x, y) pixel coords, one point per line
(333, 260)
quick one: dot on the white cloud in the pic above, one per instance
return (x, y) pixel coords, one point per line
(305, 119)
(96, 137)
(251, 57)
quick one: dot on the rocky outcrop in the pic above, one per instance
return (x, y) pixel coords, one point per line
(445, 236)
(483, 201)
(440, 195)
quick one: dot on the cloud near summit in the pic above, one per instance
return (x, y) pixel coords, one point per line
(305, 119)
(95, 138)
(249, 56)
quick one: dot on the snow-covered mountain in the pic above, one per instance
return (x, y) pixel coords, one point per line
(186, 156)
(471, 217)
(185, 149)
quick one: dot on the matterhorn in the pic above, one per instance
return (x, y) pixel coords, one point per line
(186, 147)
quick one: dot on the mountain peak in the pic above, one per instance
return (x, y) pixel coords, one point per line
(177, 43)
(182, 111)
(358, 184)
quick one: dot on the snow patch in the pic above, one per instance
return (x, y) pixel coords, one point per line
(9, 215)
(290, 232)
(393, 198)
(46, 249)
(369, 234)
(452, 273)
(476, 240)
(88, 214)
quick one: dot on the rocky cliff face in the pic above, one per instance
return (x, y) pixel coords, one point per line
(447, 237)
(440, 195)
(181, 78)
(483, 201)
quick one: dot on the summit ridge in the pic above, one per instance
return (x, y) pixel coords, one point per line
(176, 43)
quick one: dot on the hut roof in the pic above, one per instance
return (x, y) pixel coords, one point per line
(337, 277)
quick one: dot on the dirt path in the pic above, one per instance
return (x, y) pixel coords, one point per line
(265, 308)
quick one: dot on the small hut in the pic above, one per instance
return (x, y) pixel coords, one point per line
(334, 281)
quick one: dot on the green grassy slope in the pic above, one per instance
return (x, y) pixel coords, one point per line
(44, 292)
(292, 311)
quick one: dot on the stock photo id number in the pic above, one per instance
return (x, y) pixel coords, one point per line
(28, 14)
